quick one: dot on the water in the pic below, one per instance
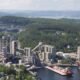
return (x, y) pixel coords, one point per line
(46, 74)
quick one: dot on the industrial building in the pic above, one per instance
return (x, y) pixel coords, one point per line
(45, 52)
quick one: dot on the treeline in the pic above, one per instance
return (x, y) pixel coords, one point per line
(14, 20)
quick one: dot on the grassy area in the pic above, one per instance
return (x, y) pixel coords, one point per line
(16, 75)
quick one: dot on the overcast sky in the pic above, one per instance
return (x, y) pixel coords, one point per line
(39, 4)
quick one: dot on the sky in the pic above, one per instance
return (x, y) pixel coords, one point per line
(40, 5)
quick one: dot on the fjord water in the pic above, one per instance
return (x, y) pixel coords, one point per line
(46, 74)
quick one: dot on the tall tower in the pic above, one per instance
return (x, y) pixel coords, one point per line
(28, 55)
(3, 43)
(13, 47)
(78, 53)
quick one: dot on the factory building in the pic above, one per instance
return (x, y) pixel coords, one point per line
(47, 53)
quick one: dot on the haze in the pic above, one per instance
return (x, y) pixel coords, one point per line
(64, 5)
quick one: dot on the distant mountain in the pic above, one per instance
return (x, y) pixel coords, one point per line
(3, 13)
(43, 14)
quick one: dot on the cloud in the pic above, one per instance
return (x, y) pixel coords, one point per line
(15, 4)
(57, 4)
(40, 4)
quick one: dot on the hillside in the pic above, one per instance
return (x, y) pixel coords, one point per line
(63, 33)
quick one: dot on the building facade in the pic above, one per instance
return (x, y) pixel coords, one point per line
(28, 55)
(47, 53)
(13, 47)
(78, 53)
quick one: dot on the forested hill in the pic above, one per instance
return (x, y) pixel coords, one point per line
(64, 34)
(14, 20)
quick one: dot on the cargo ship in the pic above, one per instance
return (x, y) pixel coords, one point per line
(60, 70)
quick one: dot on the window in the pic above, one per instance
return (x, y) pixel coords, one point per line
(46, 49)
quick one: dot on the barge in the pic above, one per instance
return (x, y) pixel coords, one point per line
(59, 70)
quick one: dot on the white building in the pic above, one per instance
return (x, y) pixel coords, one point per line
(13, 47)
(28, 55)
(67, 55)
(59, 53)
(46, 52)
(78, 53)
